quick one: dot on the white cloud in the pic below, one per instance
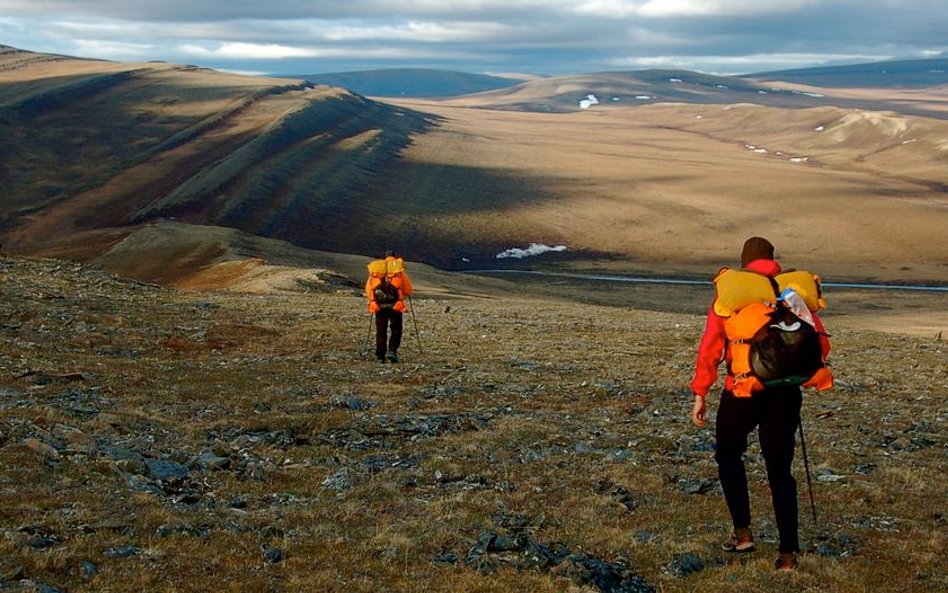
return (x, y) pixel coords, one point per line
(252, 51)
(113, 50)
(741, 64)
(687, 8)
(536, 36)
(430, 32)
(707, 8)
(608, 8)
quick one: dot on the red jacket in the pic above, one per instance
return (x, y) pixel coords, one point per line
(713, 347)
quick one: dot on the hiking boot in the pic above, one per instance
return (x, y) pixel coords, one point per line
(786, 562)
(380, 358)
(393, 356)
(740, 542)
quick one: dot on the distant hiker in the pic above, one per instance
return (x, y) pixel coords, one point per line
(386, 288)
(770, 352)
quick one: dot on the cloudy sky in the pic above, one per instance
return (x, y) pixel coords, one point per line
(484, 36)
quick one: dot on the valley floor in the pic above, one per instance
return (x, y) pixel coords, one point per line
(161, 440)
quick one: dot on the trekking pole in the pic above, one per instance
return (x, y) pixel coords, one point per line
(411, 307)
(365, 347)
(806, 466)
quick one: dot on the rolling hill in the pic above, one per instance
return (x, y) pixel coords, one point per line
(889, 74)
(90, 144)
(565, 94)
(94, 152)
(411, 82)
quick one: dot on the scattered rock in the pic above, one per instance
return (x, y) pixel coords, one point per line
(836, 545)
(684, 564)
(165, 470)
(271, 555)
(378, 463)
(644, 537)
(209, 460)
(87, 570)
(445, 558)
(79, 442)
(350, 402)
(702, 486)
(117, 525)
(340, 480)
(41, 542)
(122, 552)
(828, 476)
(475, 556)
(619, 493)
(609, 577)
(47, 451)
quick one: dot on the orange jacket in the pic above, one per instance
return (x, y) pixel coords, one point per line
(401, 281)
(713, 347)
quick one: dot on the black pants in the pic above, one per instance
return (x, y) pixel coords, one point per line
(382, 320)
(776, 413)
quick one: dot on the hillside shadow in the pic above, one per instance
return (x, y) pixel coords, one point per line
(438, 213)
(63, 135)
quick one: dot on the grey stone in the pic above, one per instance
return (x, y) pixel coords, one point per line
(208, 460)
(122, 552)
(271, 555)
(165, 469)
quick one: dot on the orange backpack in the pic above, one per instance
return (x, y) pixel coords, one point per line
(384, 284)
(769, 344)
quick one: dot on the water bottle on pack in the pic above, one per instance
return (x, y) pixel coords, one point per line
(795, 303)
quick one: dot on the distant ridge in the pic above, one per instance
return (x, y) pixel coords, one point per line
(899, 73)
(411, 82)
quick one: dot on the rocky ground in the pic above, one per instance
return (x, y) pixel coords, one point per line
(158, 440)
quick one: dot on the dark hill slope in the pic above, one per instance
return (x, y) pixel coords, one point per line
(410, 82)
(89, 144)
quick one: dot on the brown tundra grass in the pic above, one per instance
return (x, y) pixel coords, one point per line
(563, 423)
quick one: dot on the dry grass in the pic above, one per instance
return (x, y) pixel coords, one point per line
(555, 415)
(675, 188)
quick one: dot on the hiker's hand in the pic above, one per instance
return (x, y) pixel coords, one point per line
(699, 413)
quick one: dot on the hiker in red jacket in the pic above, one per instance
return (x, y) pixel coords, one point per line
(775, 411)
(386, 288)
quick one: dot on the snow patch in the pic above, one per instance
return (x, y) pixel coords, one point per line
(674, 80)
(643, 97)
(819, 128)
(531, 250)
(588, 102)
(799, 159)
